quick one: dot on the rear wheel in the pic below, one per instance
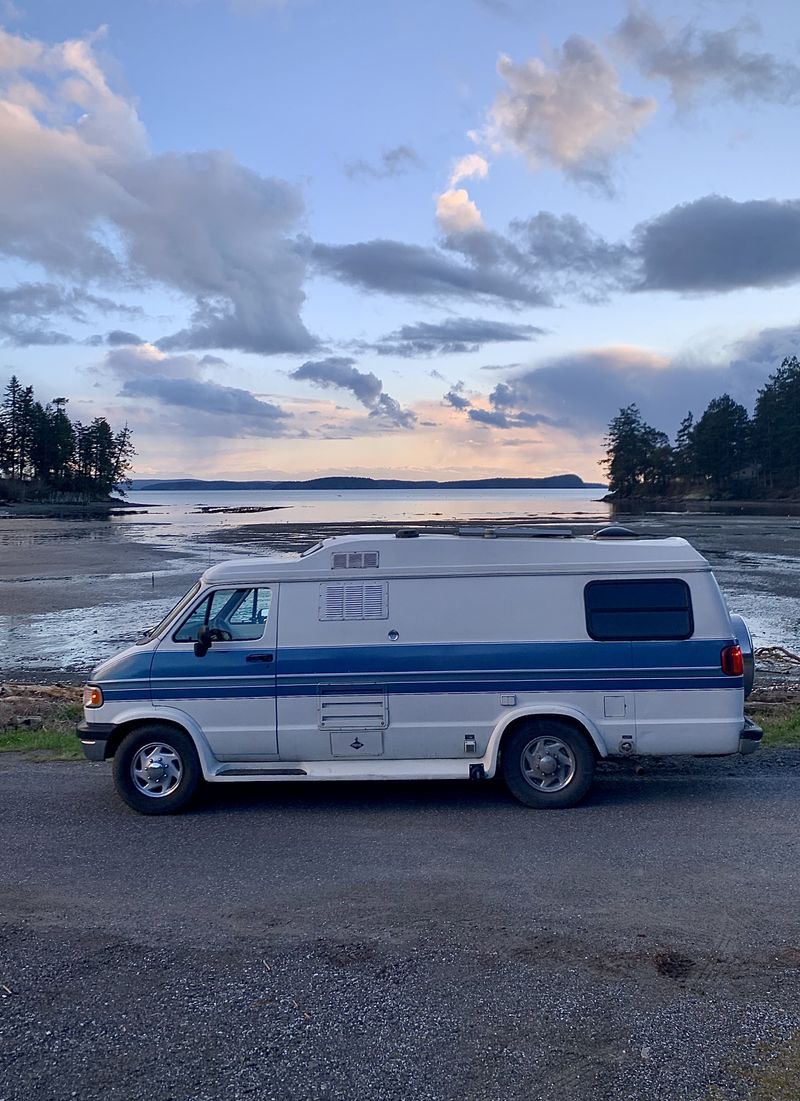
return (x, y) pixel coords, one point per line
(156, 769)
(548, 763)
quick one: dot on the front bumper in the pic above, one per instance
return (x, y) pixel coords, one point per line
(94, 738)
(750, 738)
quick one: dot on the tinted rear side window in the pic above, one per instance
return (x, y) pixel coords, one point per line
(637, 610)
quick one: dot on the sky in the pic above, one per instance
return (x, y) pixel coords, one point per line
(293, 238)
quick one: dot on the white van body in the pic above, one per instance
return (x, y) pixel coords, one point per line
(389, 657)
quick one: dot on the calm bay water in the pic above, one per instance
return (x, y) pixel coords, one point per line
(181, 511)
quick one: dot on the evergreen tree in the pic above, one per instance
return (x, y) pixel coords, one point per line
(685, 466)
(721, 441)
(776, 426)
(40, 444)
(637, 455)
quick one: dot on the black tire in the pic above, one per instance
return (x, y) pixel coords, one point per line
(574, 767)
(181, 766)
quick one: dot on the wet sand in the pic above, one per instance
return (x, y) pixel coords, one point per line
(74, 592)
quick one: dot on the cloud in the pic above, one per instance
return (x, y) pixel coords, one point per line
(455, 397)
(472, 166)
(413, 271)
(456, 212)
(586, 389)
(81, 195)
(718, 244)
(339, 372)
(253, 416)
(397, 161)
(565, 249)
(179, 383)
(692, 60)
(572, 116)
(120, 336)
(454, 335)
(27, 309)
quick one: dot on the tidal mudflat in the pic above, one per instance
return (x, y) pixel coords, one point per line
(73, 592)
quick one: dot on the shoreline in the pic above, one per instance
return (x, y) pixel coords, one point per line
(634, 506)
(75, 591)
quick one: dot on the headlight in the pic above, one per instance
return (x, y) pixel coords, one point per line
(92, 696)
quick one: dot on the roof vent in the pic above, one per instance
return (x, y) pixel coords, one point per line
(407, 533)
(615, 531)
(355, 560)
(519, 532)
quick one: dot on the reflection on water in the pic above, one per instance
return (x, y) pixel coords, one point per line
(179, 510)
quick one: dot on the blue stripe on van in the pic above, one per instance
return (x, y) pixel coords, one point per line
(430, 669)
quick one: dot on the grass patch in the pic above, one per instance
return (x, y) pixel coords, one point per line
(774, 1080)
(781, 725)
(56, 739)
(53, 742)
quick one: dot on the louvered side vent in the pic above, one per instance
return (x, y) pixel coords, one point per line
(355, 560)
(354, 600)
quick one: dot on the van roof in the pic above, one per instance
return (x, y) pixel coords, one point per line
(355, 556)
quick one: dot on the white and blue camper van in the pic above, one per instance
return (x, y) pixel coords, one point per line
(529, 652)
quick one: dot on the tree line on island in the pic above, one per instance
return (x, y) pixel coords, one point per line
(44, 455)
(725, 454)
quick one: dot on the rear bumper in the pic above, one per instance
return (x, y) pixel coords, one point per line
(94, 738)
(750, 737)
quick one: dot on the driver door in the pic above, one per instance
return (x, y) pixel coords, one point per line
(230, 690)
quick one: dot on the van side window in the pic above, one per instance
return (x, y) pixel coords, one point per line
(232, 615)
(638, 610)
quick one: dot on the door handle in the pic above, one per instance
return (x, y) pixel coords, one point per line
(260, 657)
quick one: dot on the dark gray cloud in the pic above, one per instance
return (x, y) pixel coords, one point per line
(451, 336)
(413, 271)
(27, 310)
(692, 60)
(120, 336)
(238, 413)
(340, 372)
(455, 397)
(718, 244)
(392, 162)
(585, 390)
(391, 409)
(503, 414)
(565, 251)
(492, 417)
(115, 339)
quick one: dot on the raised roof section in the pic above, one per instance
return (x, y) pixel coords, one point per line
(448, 554)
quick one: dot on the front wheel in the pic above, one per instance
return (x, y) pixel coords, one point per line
(156, 769)
(548, 763)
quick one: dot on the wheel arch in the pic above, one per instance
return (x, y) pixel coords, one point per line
(514, 719)
(165, 716)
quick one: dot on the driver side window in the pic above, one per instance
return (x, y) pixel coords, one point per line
(232, 615)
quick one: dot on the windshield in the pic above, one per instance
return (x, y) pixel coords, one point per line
(154, 632)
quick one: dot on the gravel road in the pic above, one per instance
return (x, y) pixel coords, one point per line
(410, 942)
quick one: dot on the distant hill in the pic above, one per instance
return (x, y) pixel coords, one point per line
(187, 485)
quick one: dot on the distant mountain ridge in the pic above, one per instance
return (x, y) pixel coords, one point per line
(184, 485)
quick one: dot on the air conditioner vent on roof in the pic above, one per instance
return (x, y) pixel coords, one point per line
(354, 560)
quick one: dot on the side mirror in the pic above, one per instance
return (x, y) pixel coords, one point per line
(203, 644)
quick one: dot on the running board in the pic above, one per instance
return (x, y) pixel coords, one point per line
(345, 770)
(259, 772)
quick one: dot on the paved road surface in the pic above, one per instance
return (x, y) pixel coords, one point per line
(431, 941)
